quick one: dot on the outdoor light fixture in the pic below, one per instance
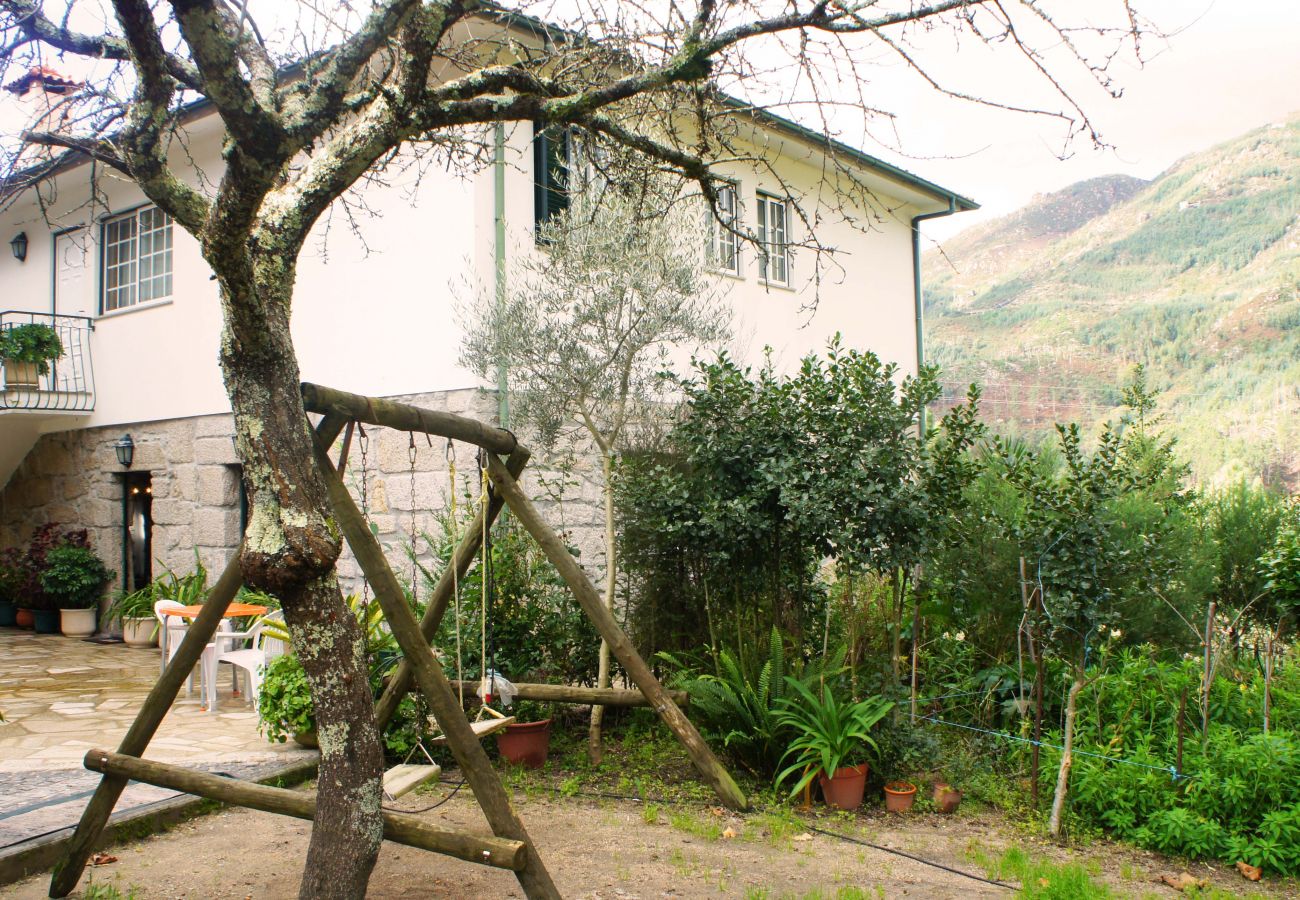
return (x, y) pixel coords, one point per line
(124, 447)
(19, 246)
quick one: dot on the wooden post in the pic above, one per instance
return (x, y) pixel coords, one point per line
(1182, 727)
(461, 559)
(404, 417)
(593, 605)
(398, 827)
(1207, 675)
(560, 693)
(1268, 680)
(428, 674)
(155, 707)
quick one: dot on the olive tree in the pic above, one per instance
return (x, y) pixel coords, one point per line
(326, 95)
(587, 333)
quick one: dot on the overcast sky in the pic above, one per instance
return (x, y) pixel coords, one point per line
(1234, 66)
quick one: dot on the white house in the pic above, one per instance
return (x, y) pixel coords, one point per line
(138, 313)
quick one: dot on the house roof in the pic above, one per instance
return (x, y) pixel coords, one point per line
(770, 119)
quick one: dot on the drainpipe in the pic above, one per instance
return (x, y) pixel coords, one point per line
(499, 254)
(916, 290)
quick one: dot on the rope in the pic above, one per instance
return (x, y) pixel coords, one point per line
(906, 855)
(1172, 770)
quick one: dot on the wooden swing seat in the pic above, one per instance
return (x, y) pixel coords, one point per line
(481, 729)
(407, 777)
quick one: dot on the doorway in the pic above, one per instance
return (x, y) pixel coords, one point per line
(137, 530)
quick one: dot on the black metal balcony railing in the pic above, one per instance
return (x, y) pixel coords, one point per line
(69, 385)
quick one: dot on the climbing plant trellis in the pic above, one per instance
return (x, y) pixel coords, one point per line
(511, 848)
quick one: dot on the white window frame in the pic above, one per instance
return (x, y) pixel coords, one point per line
(724, 249)
(773, 242)
(136, 265)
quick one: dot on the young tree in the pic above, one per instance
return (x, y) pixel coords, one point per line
(1101, 532)
(586, 335)
(332, 93)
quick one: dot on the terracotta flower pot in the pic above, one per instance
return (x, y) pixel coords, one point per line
(24, 618)
(77, 623)
(940, 787)
(948, 801)
(526, 743)
(46, 621)
(899, 796)
(844, 789)
(307, 739)
(140, 634)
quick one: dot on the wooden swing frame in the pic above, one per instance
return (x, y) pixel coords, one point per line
(511, 848)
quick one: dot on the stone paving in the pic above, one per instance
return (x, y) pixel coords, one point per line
(61, 697)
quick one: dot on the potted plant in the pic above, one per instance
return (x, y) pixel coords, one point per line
(36, 608)
(831, 741)
(11, 581)
(284, 707)
(134, 611)
(946, 797)
(527, 740)
(27, 351)
(899, 796)
(74, 576)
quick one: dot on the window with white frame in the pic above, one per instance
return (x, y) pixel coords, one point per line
(725, 247)
(773, 239)
(137, 258)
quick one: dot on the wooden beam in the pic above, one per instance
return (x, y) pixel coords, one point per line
(404, 417)
(593, 605)
(155, 707)
(398, 827)
(461, 559)
(563, 693)
(470, 755)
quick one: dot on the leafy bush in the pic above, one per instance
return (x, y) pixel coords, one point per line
(74, 576)
(32, 594)
(31, 343)
(536, 631)
(1238, 794)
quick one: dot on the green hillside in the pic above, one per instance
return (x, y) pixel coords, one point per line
(1196, 274)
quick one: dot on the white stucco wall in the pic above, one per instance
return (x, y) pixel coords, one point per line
(375, 313)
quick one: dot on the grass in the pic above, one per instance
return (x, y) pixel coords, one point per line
(1042, 879)
(98, 890)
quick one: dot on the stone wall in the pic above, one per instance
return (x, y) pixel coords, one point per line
(72, 477)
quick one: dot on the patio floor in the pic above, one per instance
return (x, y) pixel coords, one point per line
(62, 696)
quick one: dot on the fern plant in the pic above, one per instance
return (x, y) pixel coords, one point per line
(739, 709)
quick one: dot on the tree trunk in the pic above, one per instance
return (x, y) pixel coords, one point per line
(1063, 775)
(290, 549)
(611, 576)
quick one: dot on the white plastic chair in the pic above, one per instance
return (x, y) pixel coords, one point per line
(250, 659)
(171, 631)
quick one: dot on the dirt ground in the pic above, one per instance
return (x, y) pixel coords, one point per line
(614, 848)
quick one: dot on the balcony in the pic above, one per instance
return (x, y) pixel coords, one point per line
(69, 386)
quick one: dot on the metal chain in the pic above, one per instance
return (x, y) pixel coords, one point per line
(415, 568)
(363, 443)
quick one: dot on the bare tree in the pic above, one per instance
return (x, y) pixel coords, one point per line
(587, 334)
(315, 104)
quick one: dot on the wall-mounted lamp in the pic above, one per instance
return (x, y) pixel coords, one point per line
(19, 246)
(124, 447)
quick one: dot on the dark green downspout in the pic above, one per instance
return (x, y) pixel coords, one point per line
(916, 290)
(499, 259)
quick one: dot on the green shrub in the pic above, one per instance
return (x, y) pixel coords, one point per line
(31, 343)
(74, 576)
(828, 733)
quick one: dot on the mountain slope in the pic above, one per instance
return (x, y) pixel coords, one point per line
(1196, 274)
